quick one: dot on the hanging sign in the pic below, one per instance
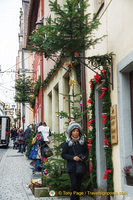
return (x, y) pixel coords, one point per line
(114, 125)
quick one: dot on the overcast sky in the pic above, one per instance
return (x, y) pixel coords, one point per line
(9, 29)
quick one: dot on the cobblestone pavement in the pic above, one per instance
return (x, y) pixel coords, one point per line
(2, 152)
(15, 174)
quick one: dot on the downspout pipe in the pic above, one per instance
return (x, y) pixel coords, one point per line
(41, 70)
(83, 89)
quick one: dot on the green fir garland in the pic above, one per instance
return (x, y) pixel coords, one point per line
(36, 92)
(52, 72)
(103, 79)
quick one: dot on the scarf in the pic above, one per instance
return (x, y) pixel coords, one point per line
(71, 140)
(75, 139)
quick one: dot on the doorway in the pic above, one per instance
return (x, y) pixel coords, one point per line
(100, 152)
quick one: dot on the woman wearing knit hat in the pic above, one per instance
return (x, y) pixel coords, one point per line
(75, 151)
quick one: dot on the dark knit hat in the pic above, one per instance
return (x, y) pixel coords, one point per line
(72, 126)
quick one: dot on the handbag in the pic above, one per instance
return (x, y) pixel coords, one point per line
(21, 138)
(81, 167)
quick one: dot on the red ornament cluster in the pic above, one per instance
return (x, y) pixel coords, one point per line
(90, 122)
(97, 78)
(89, 143)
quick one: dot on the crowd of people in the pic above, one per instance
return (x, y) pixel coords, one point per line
(34, 141)
(19, 138)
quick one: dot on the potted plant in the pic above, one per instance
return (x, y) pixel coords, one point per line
(128, 171)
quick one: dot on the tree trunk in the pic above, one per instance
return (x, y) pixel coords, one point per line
(23, 114)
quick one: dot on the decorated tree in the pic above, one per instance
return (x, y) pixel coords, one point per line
(56, 166)
(24, 90)
(75, 102)
(71, 30)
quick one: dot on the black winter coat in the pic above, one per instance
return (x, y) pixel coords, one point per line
(69, 152)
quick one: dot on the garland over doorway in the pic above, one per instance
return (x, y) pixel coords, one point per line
(101, 78)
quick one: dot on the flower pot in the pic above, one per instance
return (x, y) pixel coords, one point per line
(129, 180)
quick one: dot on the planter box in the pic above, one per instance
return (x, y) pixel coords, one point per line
(129, 180)
(37, 191)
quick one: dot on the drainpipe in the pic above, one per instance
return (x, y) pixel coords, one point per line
(41, 71)
(83, 89)
(23, 104)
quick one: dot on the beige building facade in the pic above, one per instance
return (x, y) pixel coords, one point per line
(54, 102)
(116, 19)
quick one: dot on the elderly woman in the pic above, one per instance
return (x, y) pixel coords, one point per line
(75, 151)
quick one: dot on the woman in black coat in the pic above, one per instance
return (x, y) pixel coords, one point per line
(75, 150)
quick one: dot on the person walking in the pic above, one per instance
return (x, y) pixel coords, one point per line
(27, 136)
(21, 140)
(45, 133)
(75, 151)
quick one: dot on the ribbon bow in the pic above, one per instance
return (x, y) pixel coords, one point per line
(104, 118)
(103, 92)
(106, 141)
(89, 101)
(106, 172)
(97, 78)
